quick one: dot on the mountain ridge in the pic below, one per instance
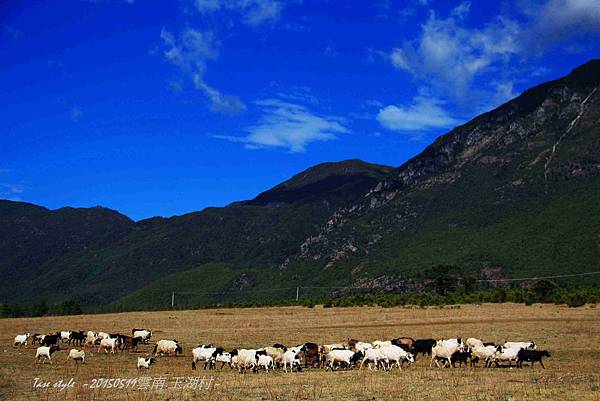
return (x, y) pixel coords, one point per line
(462, 201)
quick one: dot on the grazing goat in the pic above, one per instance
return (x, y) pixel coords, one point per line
(64, 336)
(422, 346)
(144, 362)
(246, 358)
(291, 359)
(36, 338)
(504, 355)
(76, 355)
(91, 338)
(50, 339)
(21, 340)
(220, 356)
(397, 355)
(531, 355)
(264, 361)
(338, 356)
(167, 347)
(442, 351)
(276, 354)
(46, 352)
(312, 357)
(374, 356)
(461, 357)
(482, 353)
(203, 353)
(77, 337)
(143, 334)
(109, 344)
(128, 342)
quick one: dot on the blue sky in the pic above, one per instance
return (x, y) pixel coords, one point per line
(167, 107)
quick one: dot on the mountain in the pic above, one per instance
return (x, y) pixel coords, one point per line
(512, 193)
(340, 181)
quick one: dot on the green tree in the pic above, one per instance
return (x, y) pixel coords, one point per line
(40, 309)
(544, 290)
(70, 308)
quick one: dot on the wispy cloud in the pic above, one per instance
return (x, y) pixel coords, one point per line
(424, 113)
(298, 94)
(190, 52)
(288, 125)
(11, 191)
(556, 21)
(253, 12)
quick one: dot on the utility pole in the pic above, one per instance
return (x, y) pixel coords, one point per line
(297, 293)
(173, 300)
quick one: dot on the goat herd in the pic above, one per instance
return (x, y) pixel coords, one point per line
(349, 354)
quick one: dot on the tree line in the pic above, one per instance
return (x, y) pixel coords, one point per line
(541, 292)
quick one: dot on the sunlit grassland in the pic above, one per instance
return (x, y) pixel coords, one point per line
(572, 335)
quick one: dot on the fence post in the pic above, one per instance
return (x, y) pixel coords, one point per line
(297, 293)
(173, 300)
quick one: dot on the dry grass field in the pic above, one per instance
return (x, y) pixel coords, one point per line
(571, 335)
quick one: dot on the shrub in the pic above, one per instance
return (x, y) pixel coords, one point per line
(576, 300)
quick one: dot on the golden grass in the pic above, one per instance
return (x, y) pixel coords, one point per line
(572, 336)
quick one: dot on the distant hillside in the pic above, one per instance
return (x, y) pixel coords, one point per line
(513, 193)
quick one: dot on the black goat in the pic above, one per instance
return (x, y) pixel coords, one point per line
(530, 355)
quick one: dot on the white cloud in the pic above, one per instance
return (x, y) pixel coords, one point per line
(462, 10)
(449, 56)
(263, 11)
(399, 60)
(191, 52)
(254, 12)
(424, 113)
(289, 125)
(556, 21)
(504, 91)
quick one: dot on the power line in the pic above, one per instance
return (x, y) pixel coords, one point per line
(539, 278)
